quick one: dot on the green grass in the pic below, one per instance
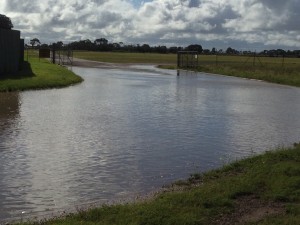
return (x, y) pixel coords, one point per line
(276, 70)
(38, 74)
(271, 179)
(269, 69)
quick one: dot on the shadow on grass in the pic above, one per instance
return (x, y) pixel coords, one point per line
(25, 72)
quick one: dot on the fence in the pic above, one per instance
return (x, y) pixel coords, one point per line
(62, 56)
(251, 60)
(187, 59)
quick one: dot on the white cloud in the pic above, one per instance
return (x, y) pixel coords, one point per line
(265, 23)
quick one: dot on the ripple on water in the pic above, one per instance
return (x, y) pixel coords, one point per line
(123, 133)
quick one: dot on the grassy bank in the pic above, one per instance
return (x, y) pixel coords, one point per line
(272, 69)
(276, 70)
(38, 74)
(263, 189)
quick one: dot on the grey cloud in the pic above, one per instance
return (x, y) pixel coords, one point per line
(104, 19)
(22, 6)
(212, 23)
(194, 3)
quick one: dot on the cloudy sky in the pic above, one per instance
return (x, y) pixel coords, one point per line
(240, 24)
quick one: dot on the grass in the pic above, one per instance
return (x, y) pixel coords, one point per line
(38, 74)
(276, 70)
(269, 69)
(263, 189)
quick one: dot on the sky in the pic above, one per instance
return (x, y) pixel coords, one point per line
(240, 24)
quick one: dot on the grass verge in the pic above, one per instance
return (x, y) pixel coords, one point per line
(268, 69)
(263, 189)
(288, 75)
(38, 74)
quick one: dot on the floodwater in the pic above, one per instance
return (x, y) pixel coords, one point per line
(126, 132)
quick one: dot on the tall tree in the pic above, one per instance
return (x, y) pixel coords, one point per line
(34, 41)
(101, 41)
(5, 22)
(197, 48)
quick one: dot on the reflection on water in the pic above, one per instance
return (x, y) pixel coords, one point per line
(127, 132)
(9, 109)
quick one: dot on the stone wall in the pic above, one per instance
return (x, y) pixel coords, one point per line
(10, 49)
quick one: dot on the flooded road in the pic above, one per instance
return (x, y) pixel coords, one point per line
(126, 132)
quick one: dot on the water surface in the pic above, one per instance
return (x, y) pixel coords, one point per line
(124, 132)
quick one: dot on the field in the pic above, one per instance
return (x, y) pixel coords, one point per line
(272, 69)
(38, 74)
(263, 189)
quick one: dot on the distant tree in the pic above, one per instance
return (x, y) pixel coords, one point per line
(34, 41)
(231, 51)
(44, 46)
(59, 44)
(206, 51)
(173, 49)
(280, 52)
(5, 22)
(145, 48)
(195, 47)
(213, 50)
(101, 41)
(160, 49)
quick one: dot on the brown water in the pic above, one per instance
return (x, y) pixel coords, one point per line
(127, 132)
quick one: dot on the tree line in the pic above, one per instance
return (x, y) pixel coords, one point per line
(102, 44)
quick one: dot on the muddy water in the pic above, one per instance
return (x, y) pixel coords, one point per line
(125, 132)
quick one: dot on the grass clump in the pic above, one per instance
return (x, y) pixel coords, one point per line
(264, 189)
(38, 74)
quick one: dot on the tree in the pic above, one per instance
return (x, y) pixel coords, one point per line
(231, 51)
(59, 44)
(101, 41)
(173, 49)
(34, 41)
(145, 48)
(206, 51)
(5, 22)
(197, 48)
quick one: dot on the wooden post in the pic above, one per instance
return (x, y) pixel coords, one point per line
(53, 53)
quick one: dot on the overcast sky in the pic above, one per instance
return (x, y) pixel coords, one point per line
(240, 24)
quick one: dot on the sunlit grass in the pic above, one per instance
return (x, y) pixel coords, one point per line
(276, 70)
(38, 74)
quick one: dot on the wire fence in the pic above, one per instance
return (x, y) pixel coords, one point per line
(248, 60)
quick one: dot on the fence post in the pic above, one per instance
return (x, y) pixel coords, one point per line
(53, 53)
